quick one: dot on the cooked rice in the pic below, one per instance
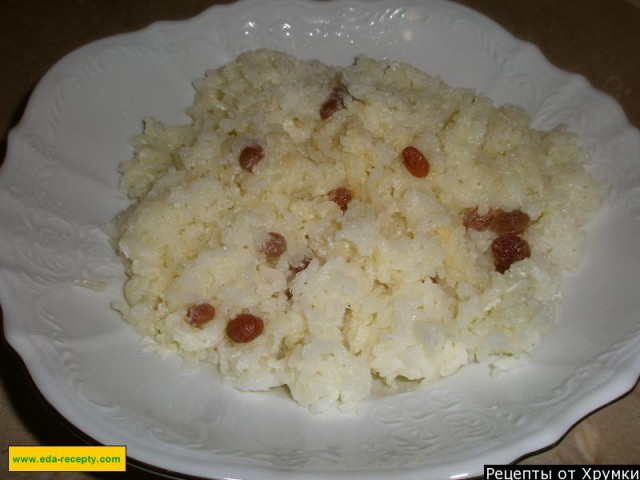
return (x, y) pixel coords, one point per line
(396, 288)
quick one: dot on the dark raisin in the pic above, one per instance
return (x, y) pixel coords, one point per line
(300, 266)
(198, 315)
(341, 196)
(334, 103)
(415, 161)
(244, 328)
(472, 219)
(514, 222)
(274, 246)
(294, 270)
(250, 155)
(509, 249)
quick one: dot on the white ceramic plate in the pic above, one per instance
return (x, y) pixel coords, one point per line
(58, 185)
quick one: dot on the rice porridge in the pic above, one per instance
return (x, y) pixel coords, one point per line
(322, 228)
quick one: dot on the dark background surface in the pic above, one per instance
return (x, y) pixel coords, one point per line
(599, 39)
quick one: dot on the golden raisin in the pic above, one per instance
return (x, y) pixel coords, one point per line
(508, 249)
(514, 222)
(198, 315)
(472, 219)
(334, 103)
(274, 246)
(250, 155)
(244, 328)
(415, 161)
(341, 196)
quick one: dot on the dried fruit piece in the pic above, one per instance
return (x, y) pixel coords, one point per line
(472, 219)
(514, 222)
(304, 263)
(274, 246)
(415, 161)
(341, 196)
(508, 249)
(334, 103)
(294, 270)
(244, 328)
(503, 223)
(250, 155)
(198, 315)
